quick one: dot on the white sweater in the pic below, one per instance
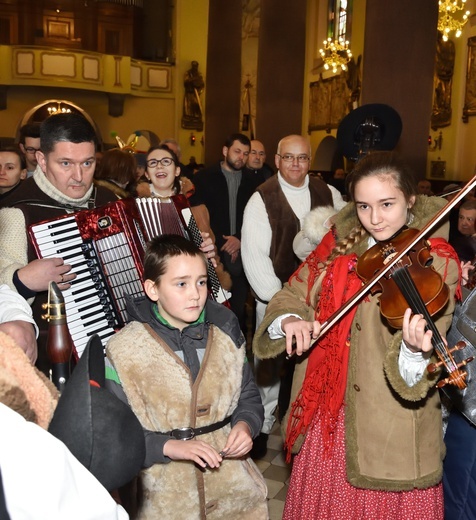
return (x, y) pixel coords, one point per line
(256, 235)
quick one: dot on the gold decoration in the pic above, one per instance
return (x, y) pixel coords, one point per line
(335, 54)
(446, 20)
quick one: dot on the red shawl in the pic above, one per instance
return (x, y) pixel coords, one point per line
(323, 390)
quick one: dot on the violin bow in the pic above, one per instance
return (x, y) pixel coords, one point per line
(334, 318)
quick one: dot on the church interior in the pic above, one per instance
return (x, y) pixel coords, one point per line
(123, 63)
(267, 71)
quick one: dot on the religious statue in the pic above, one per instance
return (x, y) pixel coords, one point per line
(443, 79)
(192, 117)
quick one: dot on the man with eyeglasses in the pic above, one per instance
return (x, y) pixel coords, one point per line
(272, 218)
(29, 145)
(256, 162)
(62, 183)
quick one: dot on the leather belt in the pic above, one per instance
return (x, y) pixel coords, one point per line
(188, 433)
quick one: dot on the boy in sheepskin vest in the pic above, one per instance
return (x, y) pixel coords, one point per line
(181, 367)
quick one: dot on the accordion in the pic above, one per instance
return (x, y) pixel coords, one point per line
(105, 247)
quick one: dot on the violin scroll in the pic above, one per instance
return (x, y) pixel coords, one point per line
(456, 377)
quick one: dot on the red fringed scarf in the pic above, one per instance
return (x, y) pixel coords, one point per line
(323, 389)
(441, 247)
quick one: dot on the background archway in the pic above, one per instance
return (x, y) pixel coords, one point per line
(43, 110)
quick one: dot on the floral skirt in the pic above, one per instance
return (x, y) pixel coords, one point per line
(319, 489)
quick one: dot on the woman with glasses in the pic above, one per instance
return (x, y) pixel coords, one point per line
(163, 173)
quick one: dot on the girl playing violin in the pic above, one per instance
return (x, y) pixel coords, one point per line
(366, 420)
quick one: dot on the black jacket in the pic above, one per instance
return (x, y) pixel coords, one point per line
(211, 189)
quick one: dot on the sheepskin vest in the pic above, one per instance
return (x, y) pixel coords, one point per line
(160, 391)
(284, 223)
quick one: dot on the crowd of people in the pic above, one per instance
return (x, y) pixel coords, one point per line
(180, 390)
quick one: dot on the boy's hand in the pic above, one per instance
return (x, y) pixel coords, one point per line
(197, 451)
(239, 441)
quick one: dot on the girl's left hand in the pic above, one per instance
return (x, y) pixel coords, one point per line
(414, 334)
(208, 247)
(239, 441)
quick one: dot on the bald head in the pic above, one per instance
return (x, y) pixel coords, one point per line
(293, 158)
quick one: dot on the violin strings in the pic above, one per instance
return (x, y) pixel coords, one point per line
(408, 288)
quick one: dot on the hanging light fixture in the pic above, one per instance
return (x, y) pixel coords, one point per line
(52, 109)
(335, 54)
(447, 22)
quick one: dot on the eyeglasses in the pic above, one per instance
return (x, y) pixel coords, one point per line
(30, 149)
(287, 157)
(153, 163)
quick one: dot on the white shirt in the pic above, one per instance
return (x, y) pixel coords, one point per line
(14, 307)
(256, 235)
(42, 480)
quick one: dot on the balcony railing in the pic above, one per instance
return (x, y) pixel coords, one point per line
(46, 66)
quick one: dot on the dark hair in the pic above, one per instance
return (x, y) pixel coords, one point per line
(242, 138)
(381, 163)
(374, 164)
(16, 150)
(176, 185)
(164, 247)
(69, 127)
(117, 165)
(166, 149)
(29, 130)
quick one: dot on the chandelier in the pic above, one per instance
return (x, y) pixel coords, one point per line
(335, 54)
(58, 110)
(446, 21)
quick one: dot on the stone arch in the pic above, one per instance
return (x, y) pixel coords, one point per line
(327, 157)
(40, 112)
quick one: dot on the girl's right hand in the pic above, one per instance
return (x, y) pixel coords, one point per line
(197, 451)
(299, 334)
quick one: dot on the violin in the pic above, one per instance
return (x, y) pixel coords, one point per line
(413, 282)
(390, 262)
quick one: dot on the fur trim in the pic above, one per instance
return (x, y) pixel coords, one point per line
(313, 231)
(160, 392)
(414, 393)
(313, 226)
(22, 387)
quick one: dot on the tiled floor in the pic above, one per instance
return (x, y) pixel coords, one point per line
(276, 472)
(272, 466)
